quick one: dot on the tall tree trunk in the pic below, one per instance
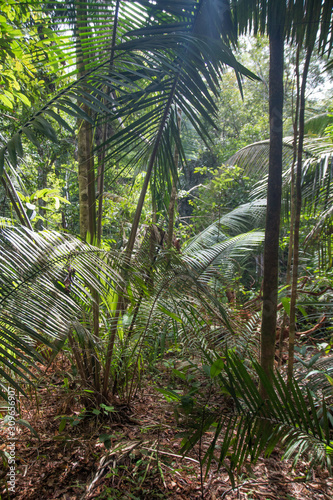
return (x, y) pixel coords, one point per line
(292, 206)
(171, 213)
(86, 171)
(270, 281)
(42, 183)
(101, 166)
(173, 194)
(293, 297)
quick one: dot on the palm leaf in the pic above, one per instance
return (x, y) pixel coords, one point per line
(160, 60)
(244, 218)
(254, 157)
(34, 305)
(316, 125)
(259, 426)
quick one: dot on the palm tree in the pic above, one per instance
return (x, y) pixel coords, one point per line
(49, 282)
(156, 57)
(316, 193)
(161, 64)
(33, 266)
(292, 21)
(46, 281)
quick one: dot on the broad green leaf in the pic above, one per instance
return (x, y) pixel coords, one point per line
(303, 311)
(286, 304)
(107, 408)
(62, 424)
(179, 374)
(59, 119)
(18, 144)
(26, 424)
(169, 394)
(45, 128)
(106, 440)
(12, 153)
(217, 367)
(6, 101)
(23, 98)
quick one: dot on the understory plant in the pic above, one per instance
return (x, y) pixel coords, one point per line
(48, 298)
(287, 420)
(49, 282)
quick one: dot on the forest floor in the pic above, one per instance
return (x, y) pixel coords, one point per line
(143, 460)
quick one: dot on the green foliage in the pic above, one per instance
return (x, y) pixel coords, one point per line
(39, 269)
(51, 198)
(227, 190)
(119, 205)
(37, 305)
(54, 288)
(19, 61)
(286, 419)
(143, 85)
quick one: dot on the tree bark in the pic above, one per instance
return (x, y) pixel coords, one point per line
(101, 166)
(86, 173)
(292, 206)
(270, 281)
(292, 328)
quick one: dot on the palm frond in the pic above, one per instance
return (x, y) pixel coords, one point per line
(286, 420)
(244, 218)
(222, 260)
(39, 296)
(316, 372)
(316, 125)
(254, 157)
(180, 303)
(303, 21)
(316, 174)
(163, 58)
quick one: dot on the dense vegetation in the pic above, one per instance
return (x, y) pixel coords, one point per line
(166, 223)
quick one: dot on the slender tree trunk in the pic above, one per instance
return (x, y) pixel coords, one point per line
(292, 205)
(171, 214)
(42, 183)
(109, 352)
(173, 195)
(101, 169)
(270, 281)
(153, 211)
(292, 187)
(86, 171)
(137, 215)
(293, 297)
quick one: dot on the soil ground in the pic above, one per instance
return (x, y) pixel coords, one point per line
(143, 460)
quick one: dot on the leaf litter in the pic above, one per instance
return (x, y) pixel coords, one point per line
(134, 456)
